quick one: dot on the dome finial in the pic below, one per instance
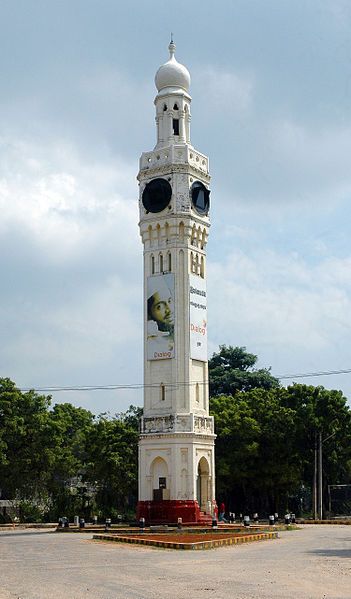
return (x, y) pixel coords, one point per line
(171, 47)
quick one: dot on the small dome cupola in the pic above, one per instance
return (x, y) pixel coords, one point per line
(172, 75)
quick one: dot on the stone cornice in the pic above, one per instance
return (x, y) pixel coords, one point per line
(167, 169)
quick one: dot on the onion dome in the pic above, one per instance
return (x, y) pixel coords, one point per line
(172, 74)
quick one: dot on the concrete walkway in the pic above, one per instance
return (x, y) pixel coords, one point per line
(312, 563)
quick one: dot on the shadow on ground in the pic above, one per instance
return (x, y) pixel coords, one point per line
(332, 552)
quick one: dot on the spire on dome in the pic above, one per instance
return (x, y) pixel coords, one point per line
(171, 47)
(172, 74)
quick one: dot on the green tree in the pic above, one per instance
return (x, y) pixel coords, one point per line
(26, 456)
(69, 429)
(266, 440)
(255, 455)
(113, 461)
(232, 370)
(319, 410)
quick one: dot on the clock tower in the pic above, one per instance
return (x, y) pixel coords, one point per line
(176, 446)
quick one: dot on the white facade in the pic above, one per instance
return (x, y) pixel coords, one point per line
(176, 448)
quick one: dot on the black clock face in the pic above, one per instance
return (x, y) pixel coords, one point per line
(157, 195)
(200, 197)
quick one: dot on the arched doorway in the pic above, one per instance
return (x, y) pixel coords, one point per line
(159, 478)
(203, 485)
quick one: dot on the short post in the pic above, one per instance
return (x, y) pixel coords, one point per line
(276, 517)
(142, 524)
(255, 517)
(76, 520)
(95, 519)
(82, 523)
(293, 519)
(271, 520)
(108, 523)
(180, 523)
(246, 520)
(287, 518)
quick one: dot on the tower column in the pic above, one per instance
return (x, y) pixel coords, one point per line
(176, 444)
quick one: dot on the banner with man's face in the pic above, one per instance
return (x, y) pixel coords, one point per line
(198, 318)
(160, 317)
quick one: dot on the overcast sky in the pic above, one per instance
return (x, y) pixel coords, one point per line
(271, 89)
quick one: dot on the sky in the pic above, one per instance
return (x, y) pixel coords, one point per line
(271, 90)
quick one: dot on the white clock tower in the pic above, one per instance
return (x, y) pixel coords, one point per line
(176, 447)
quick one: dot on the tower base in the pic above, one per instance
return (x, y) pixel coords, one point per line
(168, 512)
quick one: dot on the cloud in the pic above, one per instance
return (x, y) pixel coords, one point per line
(298, 313)
(63, 202)
(70, 252)
(225, 90)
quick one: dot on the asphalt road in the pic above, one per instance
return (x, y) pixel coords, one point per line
(312, 563)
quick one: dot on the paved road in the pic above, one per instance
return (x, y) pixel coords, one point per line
(312, 563)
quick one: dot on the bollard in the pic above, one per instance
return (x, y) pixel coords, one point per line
(232, 517)
(82, 523)
(293, 519)
(76, 520)
(255, 517)
(240, 517)
(271, 520)
(95, 519)
(142, 524)
(214, 523)
(246, 520)
(287, 518)
(108, 523)
(276, 517)
(180, 522)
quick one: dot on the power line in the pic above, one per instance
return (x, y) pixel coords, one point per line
(136, 386)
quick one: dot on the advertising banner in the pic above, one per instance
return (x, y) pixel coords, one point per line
(198, 318)
(160, 317)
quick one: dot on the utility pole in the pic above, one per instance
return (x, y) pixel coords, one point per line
(320, 476)
(315, 479)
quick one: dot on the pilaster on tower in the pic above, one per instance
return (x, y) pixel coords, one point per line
(176, 447)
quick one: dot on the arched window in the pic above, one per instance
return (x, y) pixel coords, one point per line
(161, 263)
(175, 107)
(169, 261)
(181, 231)
(152, 265)
(164, 107)
(202, 268)
(193, 236)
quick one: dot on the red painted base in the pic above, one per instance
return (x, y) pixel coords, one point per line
(168, 512)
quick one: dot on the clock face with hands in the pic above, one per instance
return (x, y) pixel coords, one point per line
(200, 198)
(156, 195)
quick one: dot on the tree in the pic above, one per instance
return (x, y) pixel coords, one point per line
(113, 460)
(26, 456)
(266, 440)
(69, 429)
(232, 370)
